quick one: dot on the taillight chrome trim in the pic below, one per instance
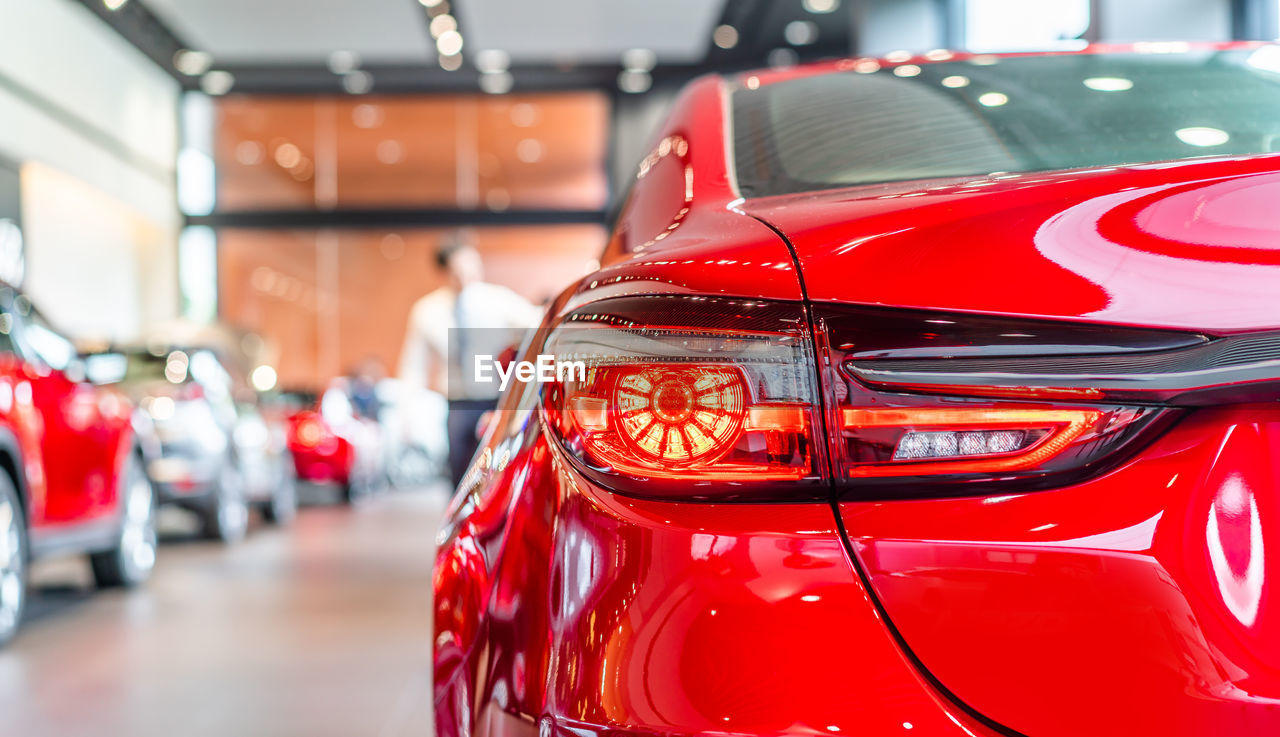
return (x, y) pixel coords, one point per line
(1188, 376)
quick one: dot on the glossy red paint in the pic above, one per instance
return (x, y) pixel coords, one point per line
(319, 453)
(1197, 246)
(66, 441)
(1145, 599)
(1138, 602)
(564, 609)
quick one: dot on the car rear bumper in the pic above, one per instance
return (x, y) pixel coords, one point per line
(647, 617)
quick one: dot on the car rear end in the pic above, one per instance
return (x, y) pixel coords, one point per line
(187, 461)
(981, 444)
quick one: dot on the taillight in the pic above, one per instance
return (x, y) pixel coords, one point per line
(685, 397)
(310, 431)
(897, 434)
(690, 397)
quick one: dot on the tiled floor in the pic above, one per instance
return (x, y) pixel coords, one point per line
(317, 630)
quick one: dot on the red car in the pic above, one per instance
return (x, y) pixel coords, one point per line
(71, 474)
(332, 444)
(914, 400)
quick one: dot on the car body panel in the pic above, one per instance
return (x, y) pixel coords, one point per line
(560, 606)
(677, 248)
(1144, 598)
(1137, 602)
(1187, 245)
(70, 441)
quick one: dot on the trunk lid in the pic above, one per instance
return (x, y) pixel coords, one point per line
(1188, 245)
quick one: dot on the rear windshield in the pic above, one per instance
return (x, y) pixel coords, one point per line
(1012, 114)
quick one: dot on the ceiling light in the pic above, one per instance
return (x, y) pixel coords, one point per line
(955, 81)
(493, 60)
(821, 6)
(800, 32)
(390, 151)
(367, 116)
(114, 5)
(496, 83)
(1202, 136)
(288, 155)
(907, 70)
(898, 57)
(938, 55)
(248, 153)
(524, 115)
(263, 378)
(529, 150)
(866, 66)
(993, 99)
(726, 36)
(342, 62)
(442, 24)
(451, 62)
(497, 199)
(429, 3)
(639, 60)
(217, 82)
(449, 43)
(357, 83)
(985, 60)
(192, 63)
(634, 82)
(1109, 84)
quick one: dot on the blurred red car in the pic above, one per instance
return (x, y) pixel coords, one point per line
(332, 445)
(911, 404)
(71, 474)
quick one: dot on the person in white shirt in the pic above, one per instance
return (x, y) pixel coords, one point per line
(448, 328)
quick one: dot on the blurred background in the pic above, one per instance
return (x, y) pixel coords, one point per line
(285, 166)
(240, 199)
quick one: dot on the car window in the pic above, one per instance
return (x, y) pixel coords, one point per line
(54, 350)
(1004, 114)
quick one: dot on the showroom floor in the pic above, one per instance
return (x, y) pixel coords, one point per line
(322, 629)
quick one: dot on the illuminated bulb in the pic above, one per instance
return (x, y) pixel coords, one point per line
(821, 6)
(496, 83)
(907, 70)
(342, 62)
(639, 60)
(442, 24)
(114, 5)
(358, 82)
(192, 63)
(263, 378)
(726, 36)
(493, 61)
(449, 43)
(634, 81)
(955, 81)
(217, 82)
(800, 32)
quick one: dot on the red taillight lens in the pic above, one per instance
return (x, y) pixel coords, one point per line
(690, 398)
(310, 431)
(719, 399)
